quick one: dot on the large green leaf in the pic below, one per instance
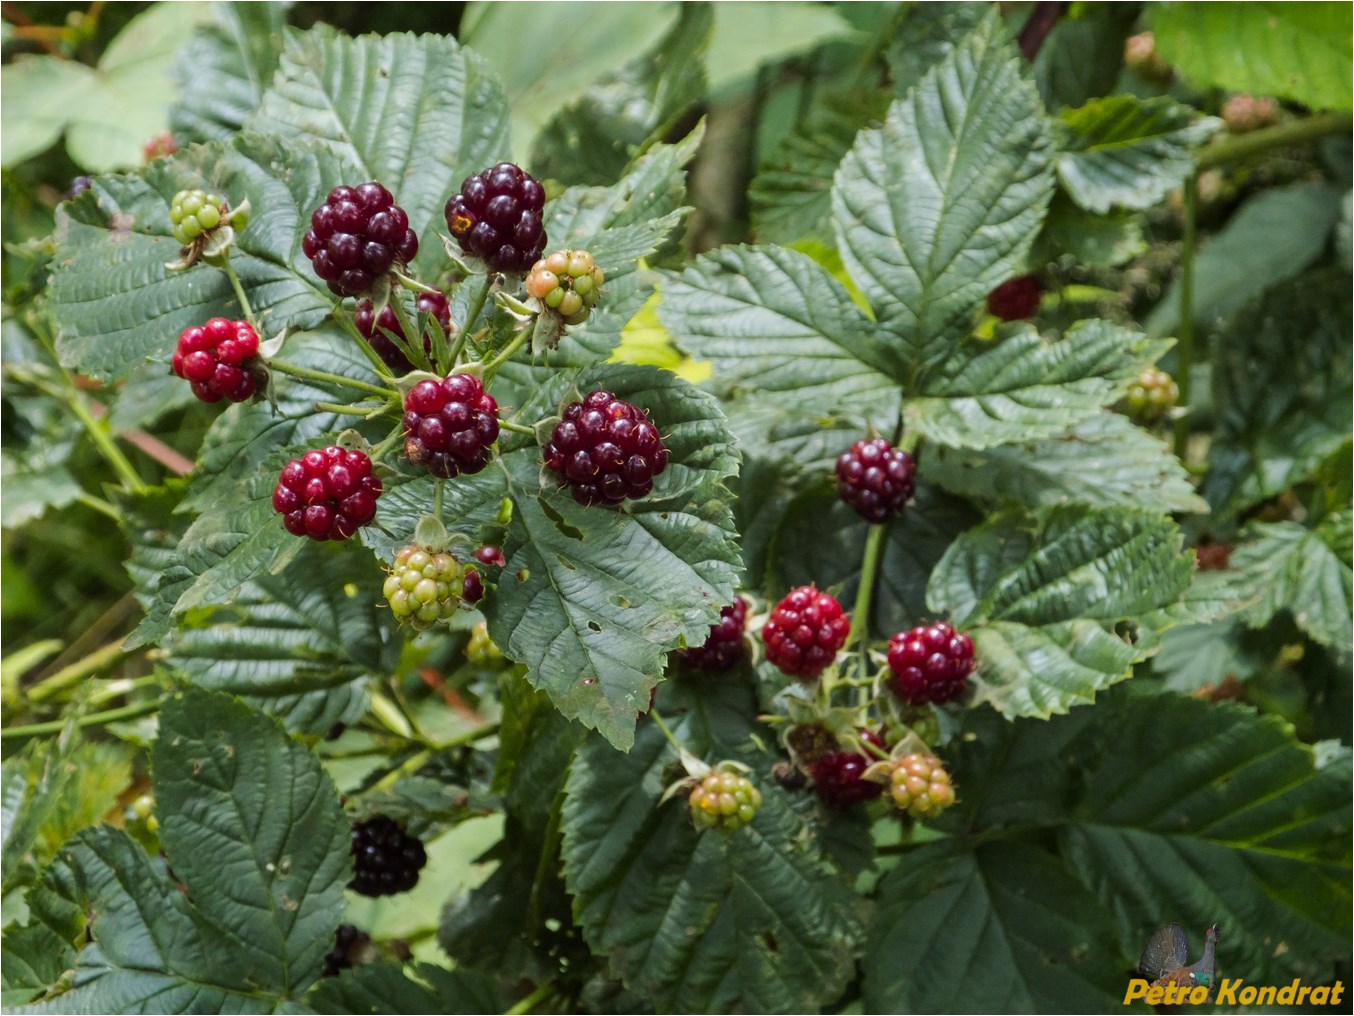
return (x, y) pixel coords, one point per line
(702, 922)
(1044, 595)
(386, 987)
(1283, 406)
(1082, 56)
(1304, 571)
(418, 113)
(253, 828)
(1103, 460)
(1128, 152)
(943, 202)
(751, 35)
(1026, 387)
(1276, 235)
(223, 69)
(595, 597)
(1295, 51)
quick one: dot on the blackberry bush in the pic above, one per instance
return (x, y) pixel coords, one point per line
(357, 236)
(450, 425)
(327, 494)
(606, 450)
(496, 216)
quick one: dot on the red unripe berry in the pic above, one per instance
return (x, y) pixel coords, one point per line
(804, 632)
(327, 494)
(930, 663)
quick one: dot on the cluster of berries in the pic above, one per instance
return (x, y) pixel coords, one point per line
(386, 859)
(567, 282)
(423, 586)
(724, 800)
(219, 359)
(327, 494)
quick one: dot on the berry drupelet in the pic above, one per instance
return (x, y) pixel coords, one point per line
(219, 358)
(386, 859)
(373, 328)
(724, 647)
(930, 663)
(496, 216)
(606, 450)
(804, 632)
(356, 236)
(450, 425)
(876, 479)
(327, 494)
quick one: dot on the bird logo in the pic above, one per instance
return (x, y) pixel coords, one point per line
(1165, 961)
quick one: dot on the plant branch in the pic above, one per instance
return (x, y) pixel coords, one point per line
(1243, 146)
(1185, 331)
(541, 993)
(89, 720)
(73, 674)
(229, 269)
(324, 377)
(1038, 26)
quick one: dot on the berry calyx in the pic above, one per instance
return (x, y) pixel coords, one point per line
(220, 360)
(606, 450)
(724, 800)
(804, 632)
(193, 213)
(386, 859)
(724, 646)
(350, 949)
(480, 650)
(1151, 397)
(356, 236)
(930, 663)
(423, 587)
(373, 327)
(449, 425)
(876, 479)
(159, 146)
(496, 216)
(1015, 299)
(327, 494)
(568, 283)
(839, 775)
(919, 785)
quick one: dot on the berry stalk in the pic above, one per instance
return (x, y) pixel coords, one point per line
(346, 323)
(88, 720)
(419, 356)
(235, 284)
(323, 376)
(667, 731)
(1185, 330)
(869, 571)
(491, 367)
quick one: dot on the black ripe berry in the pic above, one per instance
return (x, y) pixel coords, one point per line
(838, 775)
(386, 859)
(373, 327)
(804, 632)
(606, 450)
(930, 664)
(449, 425)
(724, 647)
(875, 479)
(219, 358)
(1015, 299)
(349, 945)
(328, 494)
(356, 236)
(496, 216)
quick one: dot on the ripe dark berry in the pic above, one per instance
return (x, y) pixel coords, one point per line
(1015, 299)
(349, 946)
(423, 587)
(919, 785)
(472, 586)
(194, 212)
(449, 425)
(386, 859)
(219, 358)
(327, 494)
(875, 479)
(838, 775)
(370, 324)
(489, 554)
(724, 800)
(496, 216)
(606, 450)
(930, 663)
(356, 236)
(1213, 556)
(1151, 397)
(568, 283)
(724, 647)
(804, 632)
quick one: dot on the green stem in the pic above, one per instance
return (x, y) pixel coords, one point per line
(1185, 330)
(394, 438)
(869, 569)
(548, 848)
(541, 993)
(100, 505)
(476, 307)
(420, 759)
(1241, 146)
(413, 284)
(90, 720)
(104, 441)
(72, 675)
(516, 428)
(672, 740)
(121, 686)
(334, 407)
(491, 366)
(229, 269)
(324, 377)
(412, 338)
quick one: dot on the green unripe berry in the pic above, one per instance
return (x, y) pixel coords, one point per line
(571, 303)
(480, 650)
(724, 800)
(555, 298)
(919, 785)
(423, 586)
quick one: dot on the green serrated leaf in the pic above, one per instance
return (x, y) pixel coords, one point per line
(1104, 460)
(223, 69)
(1104, 241)
(1027, 388)
(386, 987)
(942, 203)
(1304, 571)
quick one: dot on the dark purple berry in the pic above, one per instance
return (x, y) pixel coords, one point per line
(838, 775)
(327, 494)
(875, 479)
(930, 663)
(357, 235)
(724, 647)
(371, 324)
(472, 586)
(449, 425)
(804, 632)
(386, 859)
(349, 945)
(496, 216)
(606, 450)
(1015, 299)
(489, 554)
